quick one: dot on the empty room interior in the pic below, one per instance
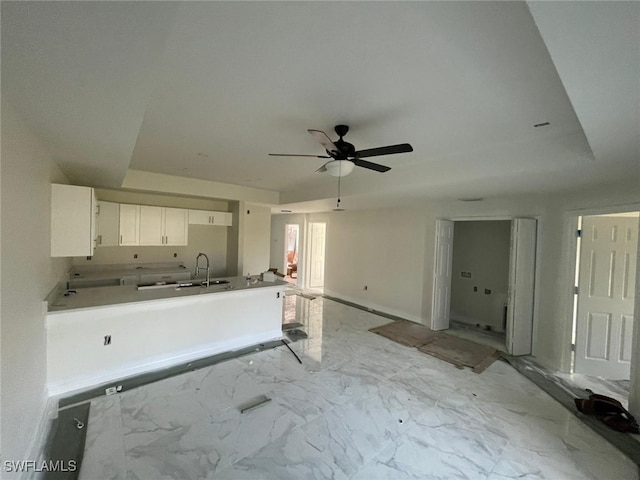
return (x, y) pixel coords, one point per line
(319, 240)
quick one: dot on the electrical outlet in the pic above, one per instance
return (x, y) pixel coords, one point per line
(175, 255)
(135, 255)
(487, 291)
(110, 390)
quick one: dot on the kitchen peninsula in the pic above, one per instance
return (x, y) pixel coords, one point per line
(102, 334)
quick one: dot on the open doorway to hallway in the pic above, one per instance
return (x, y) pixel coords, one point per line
(606, 251)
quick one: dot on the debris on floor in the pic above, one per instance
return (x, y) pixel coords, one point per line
(457, 351)
(259, 401)
(609, 411)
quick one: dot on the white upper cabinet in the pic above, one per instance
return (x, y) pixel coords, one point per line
(129, 224)
(204, 217)
(163, 226)
(108, 224)
(73, 221)
(176, 226)
(151, 225)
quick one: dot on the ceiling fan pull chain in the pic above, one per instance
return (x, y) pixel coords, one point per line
(339, 177)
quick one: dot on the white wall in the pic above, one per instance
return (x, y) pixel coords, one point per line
(255, 239)
(382, 249)
(482, 249)
(28, 274)
(211, 240)
(392, 251)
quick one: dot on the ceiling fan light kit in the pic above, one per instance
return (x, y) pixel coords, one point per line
(339, 168)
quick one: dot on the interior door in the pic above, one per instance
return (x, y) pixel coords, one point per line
(522, 266)
(442, 275)
(316, 270)
(606, 285)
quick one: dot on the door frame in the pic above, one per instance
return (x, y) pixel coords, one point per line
(536, 284)
(571, 249)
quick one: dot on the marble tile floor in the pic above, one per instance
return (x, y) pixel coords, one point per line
(360, 406)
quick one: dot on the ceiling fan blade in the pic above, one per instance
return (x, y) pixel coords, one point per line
(388, 150)
(371, 166)
(296, 155)
(323, 168)
(324, 140)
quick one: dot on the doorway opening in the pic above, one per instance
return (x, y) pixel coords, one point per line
(291, 243)
(516, 320)
(480, 281)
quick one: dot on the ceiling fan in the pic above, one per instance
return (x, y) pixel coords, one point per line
(345, 156)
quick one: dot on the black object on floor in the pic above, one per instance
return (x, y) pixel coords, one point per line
(622, 441)
(255, 403)
(609, 411)
(294, 353)
(65, 448)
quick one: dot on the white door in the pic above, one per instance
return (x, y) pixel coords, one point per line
(522, 266)
(442, 275)
(316, 269)
(606, 284)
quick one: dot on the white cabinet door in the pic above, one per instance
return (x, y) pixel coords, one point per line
(606, 282)
(222, 218)
(205, 217)
(199, 217)
(108, 224)
(151, 225)
(176, 226)
(73, 211)
(129, 224)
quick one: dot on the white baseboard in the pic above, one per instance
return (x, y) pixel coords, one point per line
(35, 450)
(375, 306)
(78, 384)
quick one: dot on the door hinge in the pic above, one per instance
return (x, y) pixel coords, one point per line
(573, 347)
(579, 233)
(576, 290)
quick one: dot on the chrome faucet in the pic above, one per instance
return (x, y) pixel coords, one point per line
(198, 267)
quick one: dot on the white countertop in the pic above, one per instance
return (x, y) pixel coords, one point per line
(86, 298)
